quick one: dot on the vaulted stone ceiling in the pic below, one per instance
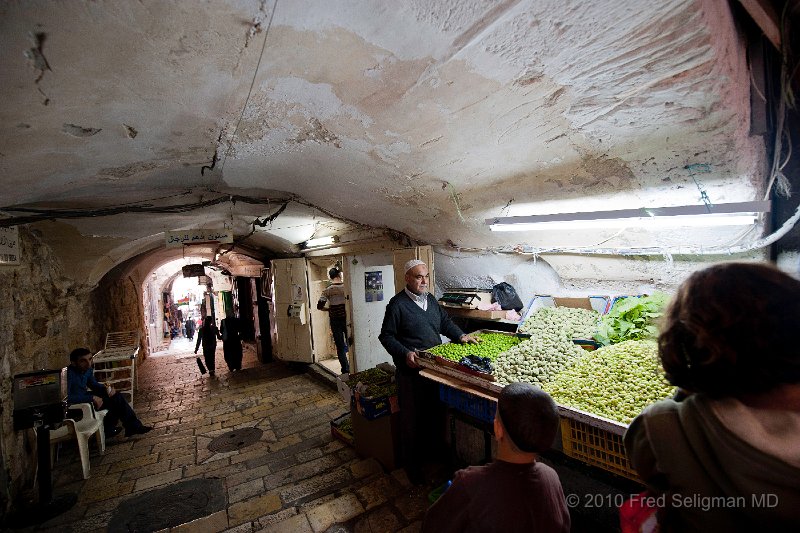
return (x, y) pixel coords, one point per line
(425, 117)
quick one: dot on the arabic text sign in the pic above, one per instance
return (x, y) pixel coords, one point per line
(9, 246)
(198, 236)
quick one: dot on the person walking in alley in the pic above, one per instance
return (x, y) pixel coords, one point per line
(207, 336)
(334, 296)
(190, 329)
(82, 387)
(231, 330)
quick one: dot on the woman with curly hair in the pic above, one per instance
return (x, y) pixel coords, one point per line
(724, 455)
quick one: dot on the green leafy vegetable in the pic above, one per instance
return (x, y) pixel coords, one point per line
(632, 318)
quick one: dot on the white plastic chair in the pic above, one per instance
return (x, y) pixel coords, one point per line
(81, 430)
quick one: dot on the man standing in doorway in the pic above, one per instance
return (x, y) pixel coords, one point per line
(335, 297)
(414, 321)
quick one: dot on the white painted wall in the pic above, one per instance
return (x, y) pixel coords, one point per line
(368, 316)
(528, 276)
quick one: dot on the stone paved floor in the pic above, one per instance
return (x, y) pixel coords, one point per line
(297, 478)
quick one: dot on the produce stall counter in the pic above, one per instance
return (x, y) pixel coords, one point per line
(592, 439)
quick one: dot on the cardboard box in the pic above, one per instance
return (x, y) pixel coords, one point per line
(476, 313)
(372, 408)
(379, 438)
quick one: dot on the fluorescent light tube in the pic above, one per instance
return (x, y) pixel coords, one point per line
(733, 214)
(320, 241)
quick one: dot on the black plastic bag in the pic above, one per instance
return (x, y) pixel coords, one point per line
(506, 295)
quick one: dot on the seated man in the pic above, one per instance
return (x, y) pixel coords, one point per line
(82, 387)
(515, 492)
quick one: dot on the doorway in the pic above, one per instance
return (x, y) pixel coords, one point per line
(324, 345)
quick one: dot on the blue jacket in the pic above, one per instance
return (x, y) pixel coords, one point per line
(79, 385)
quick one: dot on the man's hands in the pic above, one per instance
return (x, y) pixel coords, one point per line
(97, 401)
(469, 339)
(111, 391)
(411, 360)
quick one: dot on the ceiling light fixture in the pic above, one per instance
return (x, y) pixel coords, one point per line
(320, 241)
(733, 214)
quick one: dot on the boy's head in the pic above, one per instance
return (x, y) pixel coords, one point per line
(334, 273)
(81, 358)
(529, 417)
(77, 353)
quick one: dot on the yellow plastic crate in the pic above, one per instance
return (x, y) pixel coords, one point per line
(595, 446)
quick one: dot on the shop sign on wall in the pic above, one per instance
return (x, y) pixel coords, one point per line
(373, 286)
(198, 236)
(192, 271)
(9, 246)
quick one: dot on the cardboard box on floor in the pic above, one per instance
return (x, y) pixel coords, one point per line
(378, 438)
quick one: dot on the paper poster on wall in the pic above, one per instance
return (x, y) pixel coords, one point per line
(9, 246)
(373, 286)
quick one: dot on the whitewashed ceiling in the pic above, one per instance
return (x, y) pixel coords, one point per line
(425, 117)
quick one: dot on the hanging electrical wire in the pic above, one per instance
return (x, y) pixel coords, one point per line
(249, 91)
(39, 214)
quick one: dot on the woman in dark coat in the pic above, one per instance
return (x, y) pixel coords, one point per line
(190, 329)
(232, 343)
(207, 335)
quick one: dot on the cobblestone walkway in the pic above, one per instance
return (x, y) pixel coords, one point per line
(296, 478)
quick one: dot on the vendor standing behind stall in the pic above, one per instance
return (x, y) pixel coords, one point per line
(414, 321)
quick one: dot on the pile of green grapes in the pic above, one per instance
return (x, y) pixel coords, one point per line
(550, 348)
(490, 346)
(569, 321)
(535, 361)
(615, 381)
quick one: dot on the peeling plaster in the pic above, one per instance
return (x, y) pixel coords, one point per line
(79, 131)
(130, 131)
(36, 59)
(315, 131)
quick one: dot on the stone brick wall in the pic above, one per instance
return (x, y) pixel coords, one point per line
(44, 315)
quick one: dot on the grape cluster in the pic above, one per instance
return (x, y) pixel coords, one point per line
(615, 381)
(490, 346)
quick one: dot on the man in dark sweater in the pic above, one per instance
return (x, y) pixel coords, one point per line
(515, 492)
(414, 321)
(82, 387)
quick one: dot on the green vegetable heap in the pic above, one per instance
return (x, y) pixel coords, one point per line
(550, 348)
(631, 319)
(373, 383)
(380, 390)
(373, 376)
(491, 345)
(346, 426)
(615, 382)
